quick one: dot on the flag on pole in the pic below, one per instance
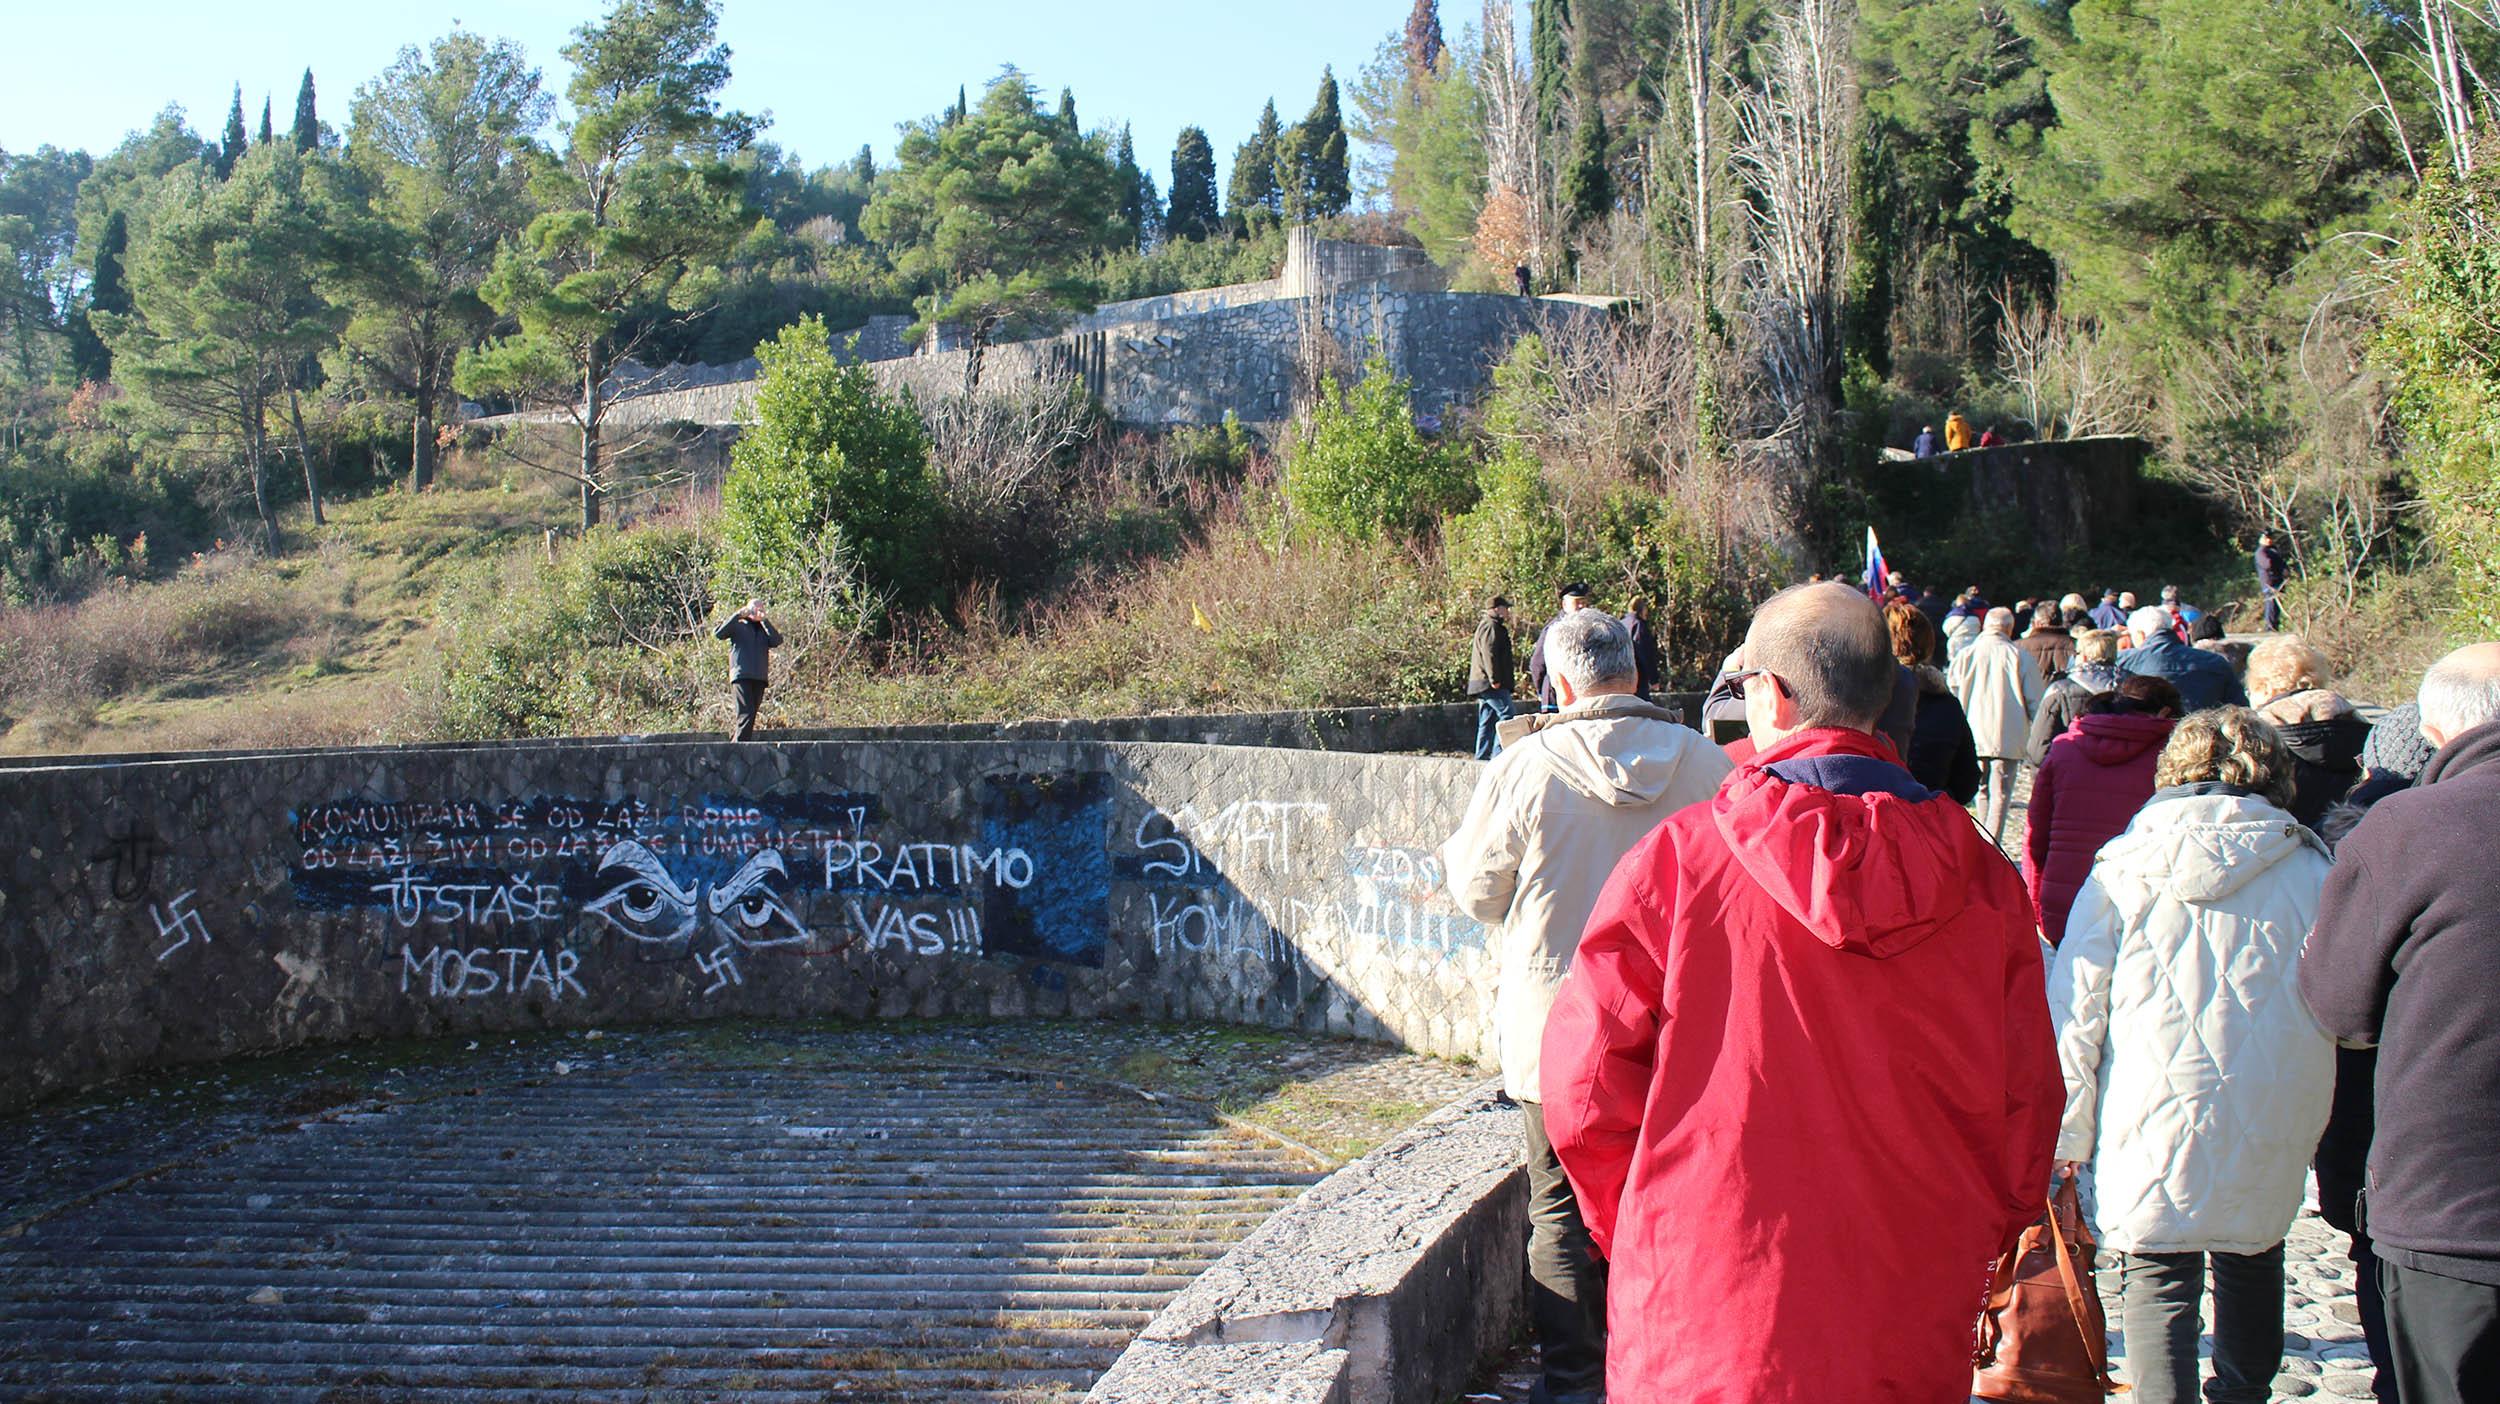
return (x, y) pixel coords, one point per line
(1877, 575)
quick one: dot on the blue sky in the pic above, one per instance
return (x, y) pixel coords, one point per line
(834, 74)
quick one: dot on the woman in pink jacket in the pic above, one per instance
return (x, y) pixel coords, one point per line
(2095, 779)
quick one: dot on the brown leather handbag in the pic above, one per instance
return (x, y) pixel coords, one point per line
(2043, 1338)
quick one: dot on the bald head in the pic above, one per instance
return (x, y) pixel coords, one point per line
(1829, 649)
(2461, 692)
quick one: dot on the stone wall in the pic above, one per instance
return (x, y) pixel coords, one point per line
(2062, 495)
(158, 913)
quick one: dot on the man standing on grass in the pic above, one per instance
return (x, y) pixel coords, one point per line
(752, 639)
(1800, 1071)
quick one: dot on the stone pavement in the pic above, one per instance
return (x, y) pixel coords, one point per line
(766, 1212)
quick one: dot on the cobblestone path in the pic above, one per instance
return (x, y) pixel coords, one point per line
(967, 1215)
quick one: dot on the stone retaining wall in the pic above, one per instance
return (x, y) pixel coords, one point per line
(1393, 1281)
(156, 913)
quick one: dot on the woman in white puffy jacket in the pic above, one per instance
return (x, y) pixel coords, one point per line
(2196, 1080)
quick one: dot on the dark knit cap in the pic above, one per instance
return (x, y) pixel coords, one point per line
(2397, 744)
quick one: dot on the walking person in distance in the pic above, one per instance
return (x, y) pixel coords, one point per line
(752, 639)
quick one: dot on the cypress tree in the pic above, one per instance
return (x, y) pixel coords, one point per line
(1254, 189)
(107, 291)
(1588, 185)
(1067, 108)
(1549, 54)
(1133, 212)
(1424, 44)
(268, 133)
(864, 167)
(1193, 213)
(223, 158)
(307, 122)
(1327, 188)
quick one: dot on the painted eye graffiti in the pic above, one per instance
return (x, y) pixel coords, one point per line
(646, 903)
(750, 911)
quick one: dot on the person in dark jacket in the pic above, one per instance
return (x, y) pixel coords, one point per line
(2272, 571)
(2405, 954)
(752, 639)
(2394, 757)
(1926, 445)
(2107, 614)
(2293, 688)
(1572, 598)
(1644, 645)
(1491, 677)
(2095, 672)
(2095, 779)
(2203, 679)
(1942, 755)
(2048, 643)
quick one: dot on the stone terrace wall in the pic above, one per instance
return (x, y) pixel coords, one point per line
(167, 912)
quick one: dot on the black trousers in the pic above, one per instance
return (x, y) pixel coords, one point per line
(750, 701)
(2444, 1334)
(1566, 1278)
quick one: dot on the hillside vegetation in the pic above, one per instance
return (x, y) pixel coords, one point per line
(238, 503)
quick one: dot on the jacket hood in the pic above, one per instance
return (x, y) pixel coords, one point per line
(2316, 704)
(1842, 838)
(2115, 740)
(2096, 677)
(2201, 843)
(1618, 750)
(1931, 681)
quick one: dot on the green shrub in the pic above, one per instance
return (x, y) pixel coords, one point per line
(584, 644)
(1511, 542)
(831, 455)
(1363, 471)
(2441, 341)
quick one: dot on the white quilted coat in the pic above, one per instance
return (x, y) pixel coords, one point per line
(2196, 1080)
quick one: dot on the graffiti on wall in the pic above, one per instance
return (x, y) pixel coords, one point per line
(714, 883)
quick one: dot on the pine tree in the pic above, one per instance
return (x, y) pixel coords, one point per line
(1193, 213)
(108, 292)
(1588, 184)
(223, 159)
(1067, 108)
(1254, 194)
(268, 133)
(1424, 44)
(864, 167)
(1549, 54)
(307, 122)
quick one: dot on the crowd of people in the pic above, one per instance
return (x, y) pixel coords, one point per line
(1801, 1050)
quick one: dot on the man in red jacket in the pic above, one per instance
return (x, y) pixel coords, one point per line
(1801, 1072)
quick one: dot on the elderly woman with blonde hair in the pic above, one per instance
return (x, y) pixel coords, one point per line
(2292, 685)
(2196, 1079)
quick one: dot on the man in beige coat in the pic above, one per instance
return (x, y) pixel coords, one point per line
(1570, 794)
(2000, 689)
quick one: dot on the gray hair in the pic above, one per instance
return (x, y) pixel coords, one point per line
(2460, 692)
(1591, 649)
(2000, 620)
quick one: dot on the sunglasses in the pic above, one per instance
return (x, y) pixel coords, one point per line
(1736, 681)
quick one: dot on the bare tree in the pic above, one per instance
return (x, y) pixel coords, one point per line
(1514, 162)
(993, 448)
(1792, 153)
(2074, 384)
